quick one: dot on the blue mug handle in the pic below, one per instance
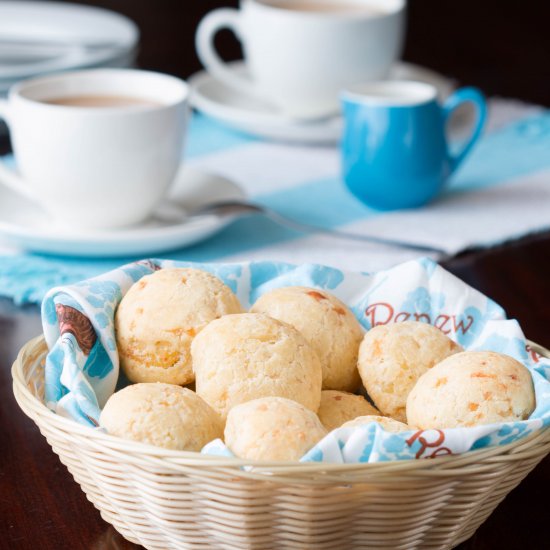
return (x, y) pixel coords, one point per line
(465, 95)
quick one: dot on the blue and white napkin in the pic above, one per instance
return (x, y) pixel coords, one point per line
(82, 368)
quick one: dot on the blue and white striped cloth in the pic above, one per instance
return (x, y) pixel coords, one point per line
(501, 192)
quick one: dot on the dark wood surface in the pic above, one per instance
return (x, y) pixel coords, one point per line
(495, 44)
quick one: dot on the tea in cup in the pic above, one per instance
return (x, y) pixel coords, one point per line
(395, 153)
(97, 149)
(300, 54)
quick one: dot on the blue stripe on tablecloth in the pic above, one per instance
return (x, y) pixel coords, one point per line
(208, 137)
(516, 150)
(325, 202)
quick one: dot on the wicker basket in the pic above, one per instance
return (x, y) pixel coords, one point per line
(169, 499)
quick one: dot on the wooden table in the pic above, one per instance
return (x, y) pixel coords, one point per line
(501, 47)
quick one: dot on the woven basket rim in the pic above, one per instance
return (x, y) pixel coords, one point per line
(190, 458)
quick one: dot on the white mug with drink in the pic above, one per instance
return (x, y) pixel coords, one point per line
(97, 149)
(301, 53)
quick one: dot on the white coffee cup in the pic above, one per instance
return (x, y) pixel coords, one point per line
(96, 167)
(300, 57)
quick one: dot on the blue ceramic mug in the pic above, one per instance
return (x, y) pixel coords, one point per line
(395, 152)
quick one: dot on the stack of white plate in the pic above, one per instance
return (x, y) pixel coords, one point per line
(45, 37)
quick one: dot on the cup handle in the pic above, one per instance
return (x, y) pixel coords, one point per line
(465, 95)
(10, 178)
(224, 18)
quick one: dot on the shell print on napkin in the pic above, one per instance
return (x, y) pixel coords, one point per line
(150, 264)
(73, 321)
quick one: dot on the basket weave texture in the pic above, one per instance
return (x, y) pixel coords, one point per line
(166, 499)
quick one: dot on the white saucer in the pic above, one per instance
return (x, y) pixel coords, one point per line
(26, 226)
(44, 37)
(249, 115)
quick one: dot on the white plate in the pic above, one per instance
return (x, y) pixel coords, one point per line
(251, 116)
(26, 226)
(53, 25)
